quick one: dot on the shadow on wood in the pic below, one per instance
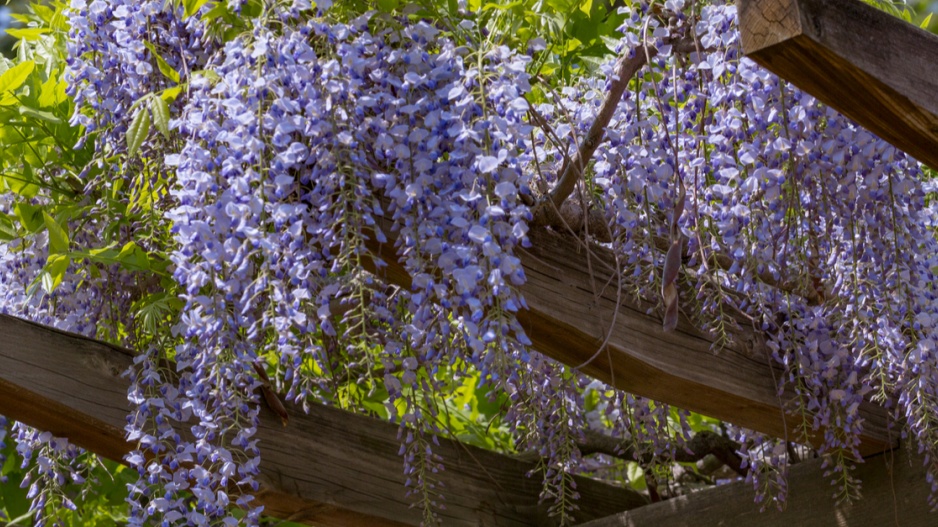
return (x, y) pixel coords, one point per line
(326, 468)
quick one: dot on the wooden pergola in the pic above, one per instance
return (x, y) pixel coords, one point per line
(332, 468)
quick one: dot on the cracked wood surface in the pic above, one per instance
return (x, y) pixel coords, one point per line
(329, 467)
(870, 66)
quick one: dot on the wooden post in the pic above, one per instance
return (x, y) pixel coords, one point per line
(870, 66)
(329, 467)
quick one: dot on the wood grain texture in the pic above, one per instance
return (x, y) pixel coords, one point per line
(895, 493)
(870, 66)
(573, 304)
(329, 467)
(568, 321)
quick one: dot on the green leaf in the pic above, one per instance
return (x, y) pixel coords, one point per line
(52, 92)
(387, 6)
(210, 75)
(7, 227)
(103, 255)
(636, 476)
(141, 194)
(15, 77)
(30, 216)
(23, 183)
(39, 114)
(22, 51)
(170, 94)
(133, 257)
(161, 63)
(160, 115)
(924, 25)
(586, 6)
(252, 8)
(192, 6)
(54, 271)
(500, 7)
(138, 131)
(58, 238)
(107, 250)
(32, 33)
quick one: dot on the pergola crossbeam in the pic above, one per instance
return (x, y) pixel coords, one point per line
(574, 305)
(870, 66)
(328, 467)
(895, 492)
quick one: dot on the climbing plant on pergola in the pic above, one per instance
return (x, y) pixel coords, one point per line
(315, 242)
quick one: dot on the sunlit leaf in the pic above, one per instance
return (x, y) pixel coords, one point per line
(15, 77)
(58, 238)
(30, 216)
(52, 91)
(161, 63)
(586, 6)
(39, 114)
(54, 271)
(160, 115)
(133, 257)
(192, 7)
(23, 183)
(7, 227)
(32, 33)
(170, 94)
(138, 131)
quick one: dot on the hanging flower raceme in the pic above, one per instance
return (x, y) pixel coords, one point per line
(794, 217)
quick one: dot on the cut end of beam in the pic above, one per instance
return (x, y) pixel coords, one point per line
(868, 65)
(768, 23)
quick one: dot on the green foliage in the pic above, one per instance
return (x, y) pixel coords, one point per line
(917, 12)
(571, 37)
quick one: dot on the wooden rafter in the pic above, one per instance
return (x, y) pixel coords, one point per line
(573, 306)
(895, 493)
(329, 467)
(870, 66)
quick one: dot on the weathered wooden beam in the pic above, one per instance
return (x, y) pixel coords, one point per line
(870, 66)
(573, 305)
(894, 490)
(329, 467)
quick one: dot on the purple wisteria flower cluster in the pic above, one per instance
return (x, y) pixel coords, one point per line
(795, 219)
(58, 463)
(309, 144)
(116, 53)
(79, 304)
